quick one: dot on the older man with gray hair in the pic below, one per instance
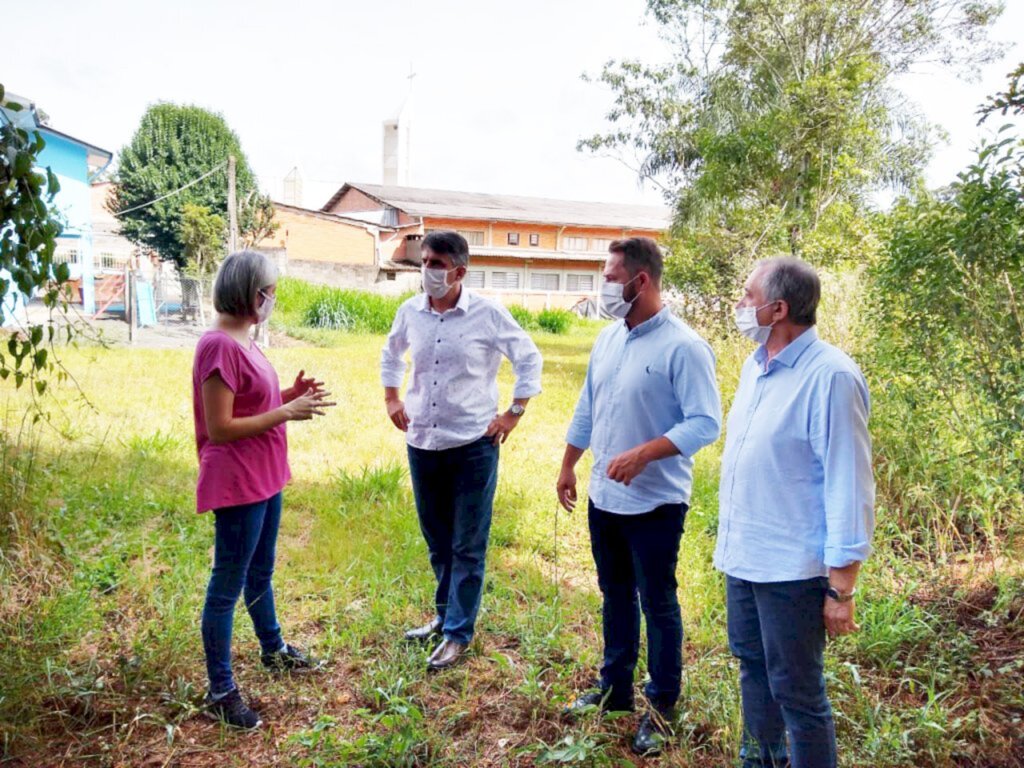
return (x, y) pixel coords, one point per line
(796, 515)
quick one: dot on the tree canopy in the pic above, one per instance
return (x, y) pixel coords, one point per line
(175, 146)
(775, 120)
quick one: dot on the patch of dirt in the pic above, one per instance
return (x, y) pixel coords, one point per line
(994, 681)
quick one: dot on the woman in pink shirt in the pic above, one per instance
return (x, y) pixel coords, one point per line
(240, 413)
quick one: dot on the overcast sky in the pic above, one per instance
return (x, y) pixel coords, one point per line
(498, 105)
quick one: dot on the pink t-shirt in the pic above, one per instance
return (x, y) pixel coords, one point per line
(254, 468)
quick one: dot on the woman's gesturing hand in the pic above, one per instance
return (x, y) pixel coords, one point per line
(304, 384)
(307, 406)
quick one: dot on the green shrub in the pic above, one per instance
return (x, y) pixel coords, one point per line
(526, 319)
(948, 350)
(555, 320)
(320, 306)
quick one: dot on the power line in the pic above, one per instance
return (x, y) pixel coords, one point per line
(176, 191)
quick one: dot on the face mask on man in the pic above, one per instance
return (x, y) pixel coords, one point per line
(263, 310)
(435, 282)
(612, 301)
(746, 322)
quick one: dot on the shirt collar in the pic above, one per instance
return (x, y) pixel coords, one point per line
(791, 352)
(462, 303)
(648, 325)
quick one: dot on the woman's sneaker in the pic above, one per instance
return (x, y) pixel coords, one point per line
(231, 710)
(289, 659)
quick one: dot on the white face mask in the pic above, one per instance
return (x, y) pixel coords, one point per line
(746, 322)
(435, 282)
(263, 310)
(612, 301)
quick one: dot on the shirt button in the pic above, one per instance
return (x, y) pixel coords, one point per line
(435, 425)
(438, 341)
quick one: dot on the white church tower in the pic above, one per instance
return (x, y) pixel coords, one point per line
(398, 144)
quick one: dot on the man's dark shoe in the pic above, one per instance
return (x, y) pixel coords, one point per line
(231, 710)
(290, 659)
(599, 699)
(446, 655)
(652, 734)
(426, 632)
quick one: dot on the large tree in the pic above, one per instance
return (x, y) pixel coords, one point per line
(776, 120)
(173, 147)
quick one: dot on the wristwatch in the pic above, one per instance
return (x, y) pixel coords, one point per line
(516, 409)
(839, 597)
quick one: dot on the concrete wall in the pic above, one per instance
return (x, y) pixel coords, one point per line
(362, 277)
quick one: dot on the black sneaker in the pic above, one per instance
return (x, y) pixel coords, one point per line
(291, 659)
(231, 710)
(652, 735)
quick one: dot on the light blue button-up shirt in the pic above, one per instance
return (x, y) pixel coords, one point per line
(656, 380)
(796, 495)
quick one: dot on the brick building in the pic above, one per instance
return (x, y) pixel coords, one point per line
(532, 251)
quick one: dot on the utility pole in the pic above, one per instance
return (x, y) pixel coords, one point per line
(232, 207)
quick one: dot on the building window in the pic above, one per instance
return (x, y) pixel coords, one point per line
(574, 243)
(505, 281)
(600, 244)
(534, 239)
(544, 281)
(389, 275)
(579, 283)
(473, 236)
(513, 238)
(65, 256)
(475, 278)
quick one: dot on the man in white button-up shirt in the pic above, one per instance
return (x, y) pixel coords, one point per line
(452, 425)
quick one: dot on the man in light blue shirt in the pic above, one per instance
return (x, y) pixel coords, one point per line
(648, 404)
(796, 515)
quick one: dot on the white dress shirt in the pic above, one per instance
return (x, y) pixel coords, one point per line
(453, 395)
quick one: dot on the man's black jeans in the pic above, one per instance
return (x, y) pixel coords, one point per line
(636, 558)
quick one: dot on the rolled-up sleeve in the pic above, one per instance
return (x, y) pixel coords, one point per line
(515, 344)
(848, 479)
(693, 371)
(392, 356)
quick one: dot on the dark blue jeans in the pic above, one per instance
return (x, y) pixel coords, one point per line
(636, 557)
(454, 491)
(777, 632)
(243, 559)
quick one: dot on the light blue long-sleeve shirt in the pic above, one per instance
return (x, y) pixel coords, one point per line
(656, 380)
(797, 494)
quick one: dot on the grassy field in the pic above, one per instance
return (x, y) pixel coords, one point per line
(103, 564)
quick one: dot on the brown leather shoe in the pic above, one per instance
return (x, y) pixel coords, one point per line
(447, 654)
(425, 632)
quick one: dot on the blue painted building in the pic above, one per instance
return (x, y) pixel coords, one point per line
(76, 164)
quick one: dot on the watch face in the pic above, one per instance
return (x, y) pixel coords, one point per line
(516, 410)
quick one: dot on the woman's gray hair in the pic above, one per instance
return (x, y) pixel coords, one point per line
(240, 279)
(795, 282)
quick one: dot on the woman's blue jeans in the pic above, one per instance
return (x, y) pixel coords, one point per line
(243, 561)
